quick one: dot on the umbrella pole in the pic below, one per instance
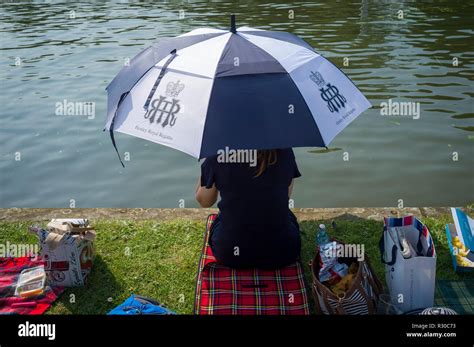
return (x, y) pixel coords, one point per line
(232, 24)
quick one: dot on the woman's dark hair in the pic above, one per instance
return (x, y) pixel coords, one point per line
(265, 158)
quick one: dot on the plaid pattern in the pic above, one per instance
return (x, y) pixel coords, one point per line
(457, 295)
(10, 269)
(224, 291)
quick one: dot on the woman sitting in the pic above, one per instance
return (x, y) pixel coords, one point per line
(255, 227)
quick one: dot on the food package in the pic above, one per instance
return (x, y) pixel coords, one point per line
(67, 247)
(31, 282)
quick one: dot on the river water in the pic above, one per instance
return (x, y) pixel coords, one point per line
(420, 52)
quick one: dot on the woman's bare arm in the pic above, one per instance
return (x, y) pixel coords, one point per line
(290, 188)
(206, 197)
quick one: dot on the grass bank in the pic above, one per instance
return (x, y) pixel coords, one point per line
(159, 259)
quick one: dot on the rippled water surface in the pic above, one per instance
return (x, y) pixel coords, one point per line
(49, 54)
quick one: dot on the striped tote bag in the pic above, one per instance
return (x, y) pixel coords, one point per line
(360, 299)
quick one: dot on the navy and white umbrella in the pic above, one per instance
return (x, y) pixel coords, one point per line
(245, 88)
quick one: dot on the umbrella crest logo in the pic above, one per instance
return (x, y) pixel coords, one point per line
(173, 89)
(329, 92)
(163, 111)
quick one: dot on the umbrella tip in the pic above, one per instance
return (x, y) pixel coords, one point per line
(232, 24)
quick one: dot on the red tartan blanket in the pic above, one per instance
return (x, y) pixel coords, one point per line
(10, 269)
(225, 291)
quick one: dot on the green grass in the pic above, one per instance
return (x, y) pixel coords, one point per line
(159, 259)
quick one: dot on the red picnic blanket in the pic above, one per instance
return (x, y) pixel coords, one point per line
(10, 269)
(225, 291)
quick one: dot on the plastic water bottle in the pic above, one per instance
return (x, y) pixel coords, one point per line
(322, 236)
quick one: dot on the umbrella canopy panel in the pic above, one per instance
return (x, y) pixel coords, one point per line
(249, 89)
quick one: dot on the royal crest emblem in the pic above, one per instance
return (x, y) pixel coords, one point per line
(163, 110)
(317, 78)
(173, 89)
(329, 92)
